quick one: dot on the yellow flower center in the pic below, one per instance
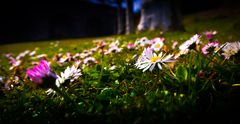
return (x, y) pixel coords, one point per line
(158, 45)
(232, 51)
(155, 58)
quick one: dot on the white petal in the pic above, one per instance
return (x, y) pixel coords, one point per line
(152, 67)
(146, 68)
(159, 66)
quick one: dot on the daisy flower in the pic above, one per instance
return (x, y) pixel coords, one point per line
(41, 73)
(180, 53)
(158, 39)
(157, 45)
(149, 60)
(210, 34)
(23, 54)
(32, 53)
(114, 49)
(1, 79)
(113, 44)
(14, 63)
(130, 46)
(142, 57)
(100, 44)
(190, 44)
(89, 61)
(68, 57)
(71, 74)
(142, 42)
(230, 49)
(210, 47)
(174, 44)
(41, 56)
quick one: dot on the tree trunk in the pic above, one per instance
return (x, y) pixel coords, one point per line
(176, 16)
(158, 14)
(129, 17)
(120, 27)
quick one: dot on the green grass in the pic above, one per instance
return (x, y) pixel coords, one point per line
(70, 44)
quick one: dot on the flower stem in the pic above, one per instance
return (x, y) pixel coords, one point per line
(65, 96)
(62, 93)
(102, 66)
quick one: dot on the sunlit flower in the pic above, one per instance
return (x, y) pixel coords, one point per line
(113, 44)
(231, 49)
(210, 47)
(157, 45)
(68, 57)
(41, 72)
(77, 63)
(88, 52)
(210, 34)
(81, 55)
(57, 57)
(174, 44)
(16, 79)
(103, 51)
(23, 54)
(89, 61)
(130, 46)
(8, 55)
(93, 50)
(114, 49)
(180, 53)
(101, 44)
(112, 67)
(1, 79)
(14, 63)
(41, 56)
(191, 43)
(142, 58)
(71, 74)
(142, 42)
(32, 53)
(149, 60)
(158, 39)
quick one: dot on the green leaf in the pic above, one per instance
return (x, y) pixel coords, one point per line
(181, 73)
(133, 94)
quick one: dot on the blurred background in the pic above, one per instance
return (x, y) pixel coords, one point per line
(92, 18)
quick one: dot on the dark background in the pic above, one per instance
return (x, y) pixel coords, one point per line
(45, 21)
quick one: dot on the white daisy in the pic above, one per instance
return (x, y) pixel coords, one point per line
(210, 47)
(114, 49)
(142, 58)
(23, 54)
(89, 61)
(174, 44)
(157, 45)
(157, 39)
(210, 34)
(71, 74)
(1, 79)
(189, 43)
(231, 49)
(149, 60)
(142, 42)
